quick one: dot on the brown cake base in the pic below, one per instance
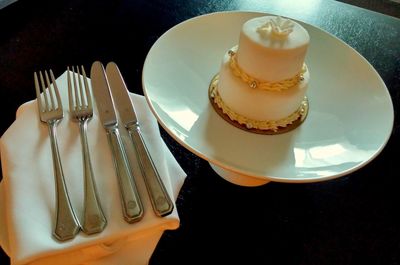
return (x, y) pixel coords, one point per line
(303, 111)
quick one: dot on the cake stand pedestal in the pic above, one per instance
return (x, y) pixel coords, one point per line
(238, 178)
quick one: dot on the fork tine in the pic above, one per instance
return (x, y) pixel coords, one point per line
(50, 92)
(70, 95)
(88, 95)
(77, 99)
(39, 98)
(82, 105)
(46, 101)
(53, 80)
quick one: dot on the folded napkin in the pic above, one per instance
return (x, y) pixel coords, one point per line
(27, 191)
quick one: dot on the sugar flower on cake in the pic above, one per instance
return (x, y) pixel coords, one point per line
(277, 26)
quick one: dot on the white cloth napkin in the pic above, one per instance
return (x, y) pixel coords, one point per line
(27, 191)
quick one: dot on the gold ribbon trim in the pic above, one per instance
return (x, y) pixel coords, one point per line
(271, 125)
(257, 84)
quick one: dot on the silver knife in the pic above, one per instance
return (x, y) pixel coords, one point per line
(160, 200)
(131, 204)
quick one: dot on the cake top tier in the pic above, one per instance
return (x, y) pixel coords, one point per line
(273, 31)
(272, 48)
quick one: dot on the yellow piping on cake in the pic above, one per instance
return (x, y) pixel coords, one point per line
(257, 84)
(273, 125)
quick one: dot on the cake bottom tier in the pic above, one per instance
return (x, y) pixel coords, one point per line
(258, 104)
(257, 126)
(257, 108)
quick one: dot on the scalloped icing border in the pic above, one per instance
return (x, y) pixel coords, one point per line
(255, 126)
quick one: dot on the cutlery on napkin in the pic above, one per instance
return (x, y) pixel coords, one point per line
(160, 200)
(132, 208)
(27, 191)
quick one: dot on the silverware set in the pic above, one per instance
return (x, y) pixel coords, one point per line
(108, 87)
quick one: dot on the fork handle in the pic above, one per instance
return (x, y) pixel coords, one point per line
(132, 207)
(67, 224)
(160, 200)
(94, 220)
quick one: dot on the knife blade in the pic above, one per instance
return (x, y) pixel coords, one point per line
(160, 200)
(132, 207)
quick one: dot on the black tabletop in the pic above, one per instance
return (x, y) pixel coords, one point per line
(353, 219)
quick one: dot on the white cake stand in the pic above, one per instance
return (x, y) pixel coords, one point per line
(349, 121)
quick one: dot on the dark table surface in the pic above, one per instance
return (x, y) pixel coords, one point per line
(350, 220)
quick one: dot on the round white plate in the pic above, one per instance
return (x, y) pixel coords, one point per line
(349, 121)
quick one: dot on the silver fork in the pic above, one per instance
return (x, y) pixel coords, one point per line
(51, 112)
(81, 109)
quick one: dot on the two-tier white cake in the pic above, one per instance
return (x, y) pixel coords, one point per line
(263, 80)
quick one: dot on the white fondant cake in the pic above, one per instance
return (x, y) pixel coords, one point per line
(263, 81)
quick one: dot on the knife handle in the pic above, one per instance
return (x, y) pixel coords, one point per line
(160, 200)
(132, 207)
